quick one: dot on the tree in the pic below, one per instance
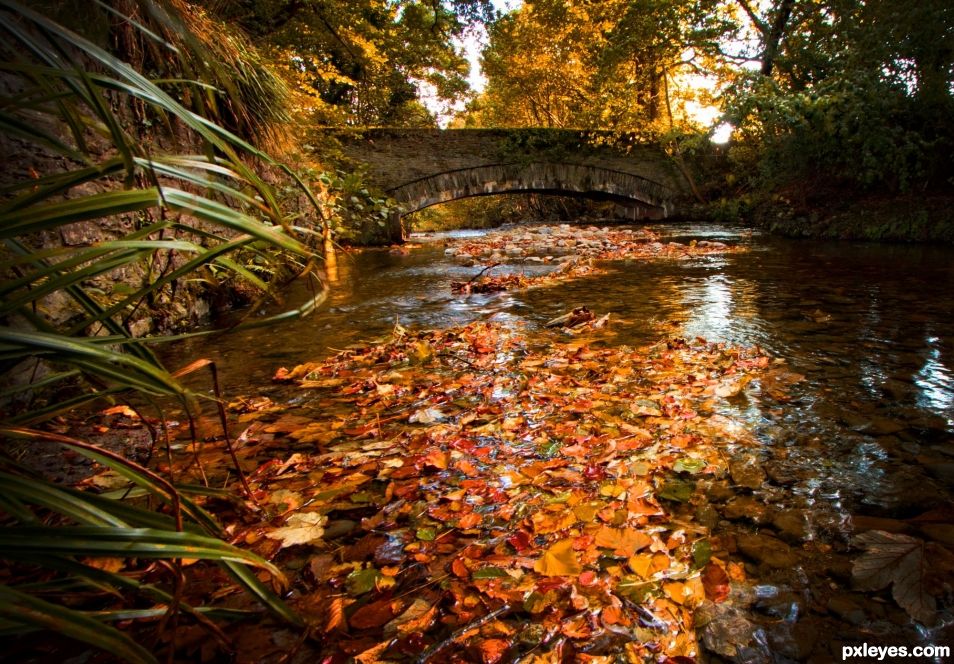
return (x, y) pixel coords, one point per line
(360, 62)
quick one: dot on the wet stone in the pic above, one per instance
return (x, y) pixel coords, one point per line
(848, 607)
(794, 641)
(745, 507)
(724, 629)
(767, 550)
(746, 472)
(791, 525)
(719, 492)
(882, 426)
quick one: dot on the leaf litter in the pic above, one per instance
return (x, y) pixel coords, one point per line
(468, 495)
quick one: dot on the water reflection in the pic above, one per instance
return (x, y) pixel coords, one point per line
(936, 383)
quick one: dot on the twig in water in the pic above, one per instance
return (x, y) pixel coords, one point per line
(457, 634)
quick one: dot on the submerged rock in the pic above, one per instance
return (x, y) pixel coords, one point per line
(767, 550)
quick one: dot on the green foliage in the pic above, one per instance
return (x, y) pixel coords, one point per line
(360, 63)
(54, 536)
(357, 215)
(169, 219)
(854, 131)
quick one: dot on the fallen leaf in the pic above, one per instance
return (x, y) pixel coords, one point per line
(715, 581)
(897, 560)
(301, 528)
(372, 615)
(559, 560)
(623, 541)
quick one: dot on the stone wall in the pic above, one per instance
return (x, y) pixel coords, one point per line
(396, 157)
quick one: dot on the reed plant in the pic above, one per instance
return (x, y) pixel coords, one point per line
(189, 208)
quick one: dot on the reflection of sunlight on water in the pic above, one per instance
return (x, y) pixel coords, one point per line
(722, 309)
(710, 309)
(935, 382)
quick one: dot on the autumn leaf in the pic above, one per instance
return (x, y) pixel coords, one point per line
(492, 650)
(301, 528)
(416, 618)
(559, 560)
(372, 615)
(897, 560)
(545, 523)
(336, 617)
(715, 581)
(623, 541)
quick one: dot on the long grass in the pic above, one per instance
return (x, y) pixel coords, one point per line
(169, 217)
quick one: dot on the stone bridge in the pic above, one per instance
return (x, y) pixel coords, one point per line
(423, 167)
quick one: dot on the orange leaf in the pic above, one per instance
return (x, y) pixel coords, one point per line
(623, 541)
(336, 618)
(550, 522)
(459, 568)
(559, 560)
(470, 520)
(492, 650)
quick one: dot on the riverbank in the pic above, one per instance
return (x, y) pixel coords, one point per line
(908, 218)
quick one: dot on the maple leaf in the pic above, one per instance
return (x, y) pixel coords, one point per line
(559, 560)
(897, 560)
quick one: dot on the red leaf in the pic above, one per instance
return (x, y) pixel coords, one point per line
(716, 582)
(372, 615)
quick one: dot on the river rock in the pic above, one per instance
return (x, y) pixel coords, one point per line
(791, 525)
(767, 550)
(794, 641)
(747, 472)
(724, 629)
(848, 607)
(745, 507)
(882, 426)
(719, 491)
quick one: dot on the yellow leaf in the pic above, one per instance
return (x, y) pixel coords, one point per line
(559, 560)
(550, 522)
(641, 564)
(586, 512)
(623, 541)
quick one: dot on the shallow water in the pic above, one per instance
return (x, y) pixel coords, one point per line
(871, 327)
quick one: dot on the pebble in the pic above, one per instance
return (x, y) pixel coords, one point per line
(767, 550)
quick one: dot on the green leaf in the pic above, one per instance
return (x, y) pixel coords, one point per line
(689, 465)
(489, 573)
(678, 490)
(426, 534)
(361, 581)
(21, 608)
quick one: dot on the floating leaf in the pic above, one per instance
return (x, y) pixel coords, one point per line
(427, 534)
(715, 581)
(622, 541)
(701, 553)
(677, 490)
(372, 615)
(559, 560)
(689, 465)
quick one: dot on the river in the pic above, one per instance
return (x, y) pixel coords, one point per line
(869, 433)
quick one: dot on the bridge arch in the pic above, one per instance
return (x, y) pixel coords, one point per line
(648, 199)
